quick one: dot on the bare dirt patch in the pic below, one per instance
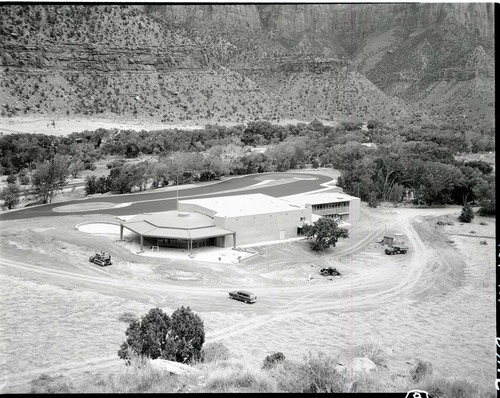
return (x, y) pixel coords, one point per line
(436, 303)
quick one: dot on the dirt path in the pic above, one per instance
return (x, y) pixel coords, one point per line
(374, 293)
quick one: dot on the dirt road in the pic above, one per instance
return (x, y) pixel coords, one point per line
(434, 303)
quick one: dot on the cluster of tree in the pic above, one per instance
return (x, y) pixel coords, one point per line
(377, 162)
(47, 178)
(20, 151)
(178, 338)
(425, 169)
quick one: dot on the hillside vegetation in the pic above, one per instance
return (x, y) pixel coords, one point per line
(222, 373)
(216, 64)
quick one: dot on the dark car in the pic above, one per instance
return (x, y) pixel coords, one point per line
(243, 295)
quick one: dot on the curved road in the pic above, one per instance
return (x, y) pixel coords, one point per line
(156, 201)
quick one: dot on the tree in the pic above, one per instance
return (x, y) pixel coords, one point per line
(93, 184)
(487, 196)
(326, 231)
(10, 196)
(49, 177)
(433, 182)
(147, 337)
(467, 214)
(186, 338)
(76, 166)
(131, 150)
(11, 179)
(178, 338)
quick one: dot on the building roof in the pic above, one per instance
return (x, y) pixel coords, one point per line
(318, 198)
(243, 205)
(173, 219)
(175, 225)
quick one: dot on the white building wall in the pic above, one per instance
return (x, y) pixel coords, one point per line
(263, 227)
(354, 205)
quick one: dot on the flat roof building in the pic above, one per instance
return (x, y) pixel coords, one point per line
(332, 204)
(254, 217)
(228, 221)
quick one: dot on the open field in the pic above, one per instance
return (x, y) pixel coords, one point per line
(436, 303)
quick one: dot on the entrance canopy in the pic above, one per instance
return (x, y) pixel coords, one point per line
(174, 225)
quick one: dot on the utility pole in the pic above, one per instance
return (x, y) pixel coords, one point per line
(177, 189)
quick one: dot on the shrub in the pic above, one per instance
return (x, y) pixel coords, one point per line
(421, 370)
(10, 196)
(215, 352)
(488, 208)
(316, 374)
(128, 317)
(138, 377)
(271, 360)
(371, 351)
(441, 387)
(24, 179)
(373, 200)
(467, 215)
(238, 378)
(45, 384)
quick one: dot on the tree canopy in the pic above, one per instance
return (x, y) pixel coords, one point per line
(177, 338)
(325, 232)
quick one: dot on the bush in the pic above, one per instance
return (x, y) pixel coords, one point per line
(10, 196)
(373, 200)
(24, 179)
(178, 338)
(128, 317)
(235, 377)
(138, 377)
(488, 208)
(316, 374)
(441, 387)
(215, 352)
(45, 384)
(371, 351)
(422, 369)
(271, 360)
(467, 214)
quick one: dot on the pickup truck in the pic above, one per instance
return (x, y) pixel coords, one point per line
(243, 295)
(396, 249)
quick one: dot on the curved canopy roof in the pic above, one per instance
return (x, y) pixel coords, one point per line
(175, 225)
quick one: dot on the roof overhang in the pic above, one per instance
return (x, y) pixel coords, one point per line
(150, 231)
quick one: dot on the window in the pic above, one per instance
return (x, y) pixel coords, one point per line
(302, 219)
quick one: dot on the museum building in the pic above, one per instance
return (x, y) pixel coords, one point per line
(230, 221)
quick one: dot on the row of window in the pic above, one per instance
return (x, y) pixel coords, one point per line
(330, 205)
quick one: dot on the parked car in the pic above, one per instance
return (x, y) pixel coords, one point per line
(243, 295)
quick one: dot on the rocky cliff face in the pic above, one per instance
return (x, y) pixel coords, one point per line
(351, 22)
(239, 62)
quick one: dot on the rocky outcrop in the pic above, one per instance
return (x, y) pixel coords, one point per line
(352, 22)
(239, 61)
(100, 58)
